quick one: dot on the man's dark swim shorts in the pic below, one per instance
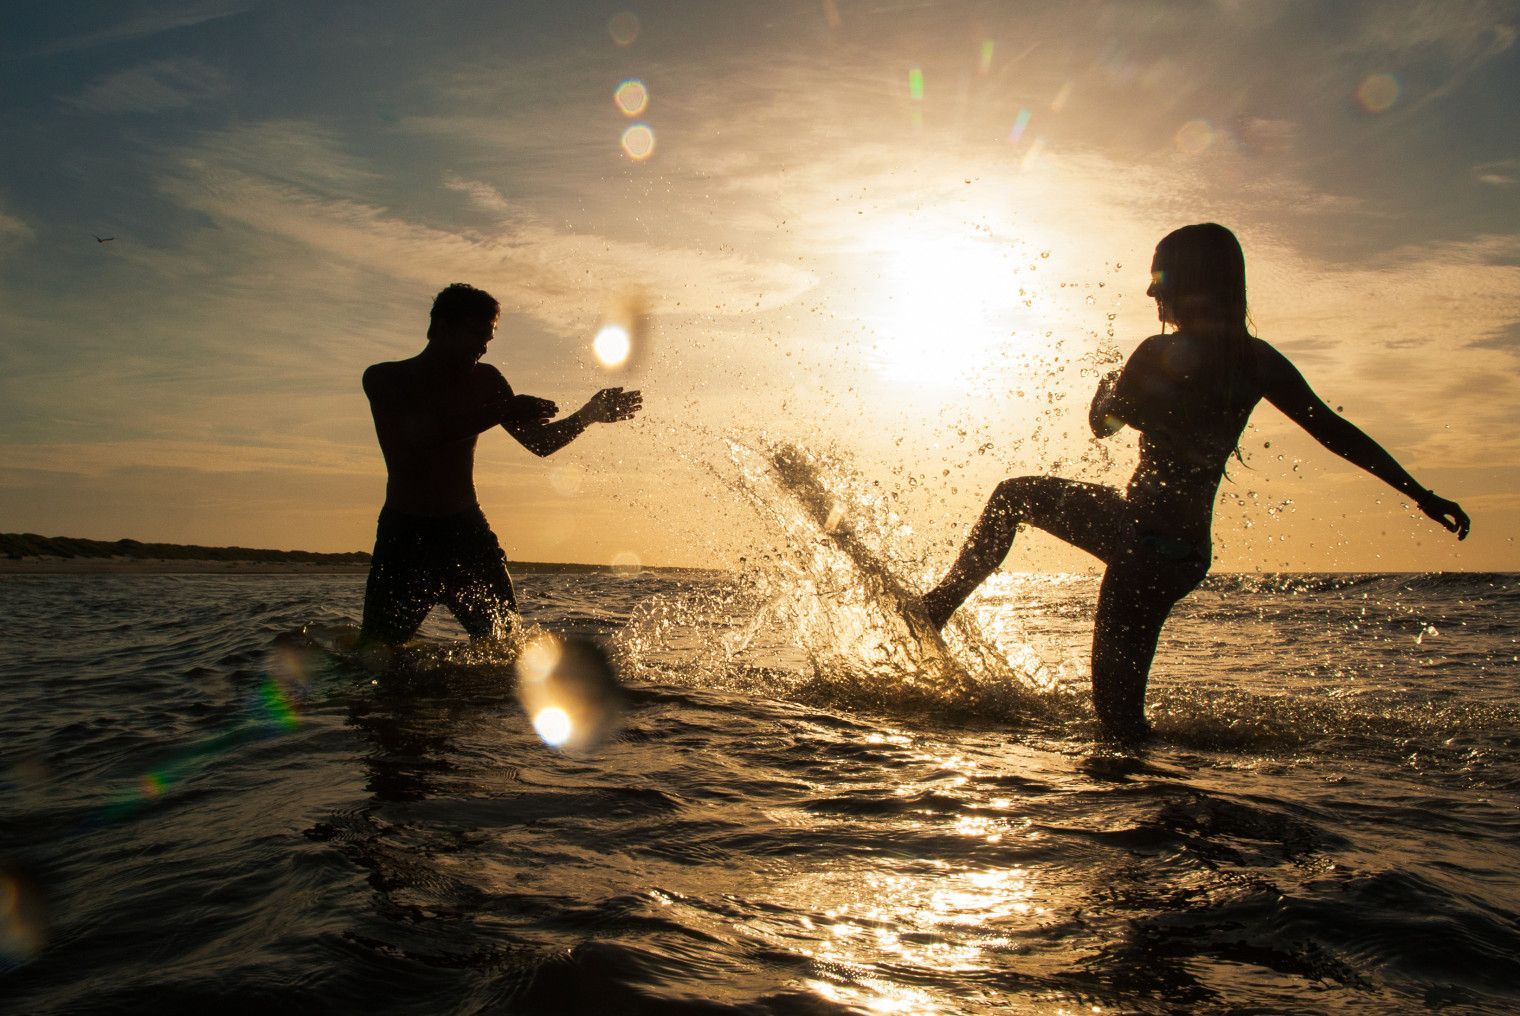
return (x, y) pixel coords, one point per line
(421, 561)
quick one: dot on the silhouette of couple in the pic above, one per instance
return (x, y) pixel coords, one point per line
(1188, 392)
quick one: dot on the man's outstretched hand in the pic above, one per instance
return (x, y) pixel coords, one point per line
(613, 404)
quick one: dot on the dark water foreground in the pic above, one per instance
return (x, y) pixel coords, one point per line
(207, 809)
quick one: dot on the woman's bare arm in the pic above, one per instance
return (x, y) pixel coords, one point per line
(1285, 388)
(1100, 415)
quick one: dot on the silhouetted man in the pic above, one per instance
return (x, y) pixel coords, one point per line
(433, 544)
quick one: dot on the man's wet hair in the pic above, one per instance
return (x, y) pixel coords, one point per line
(461, 301)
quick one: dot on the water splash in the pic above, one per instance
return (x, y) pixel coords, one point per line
(829, 617)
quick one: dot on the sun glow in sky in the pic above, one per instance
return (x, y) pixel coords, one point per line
(943, 306)
(915, 233)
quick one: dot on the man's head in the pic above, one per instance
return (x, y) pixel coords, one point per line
(463, 318)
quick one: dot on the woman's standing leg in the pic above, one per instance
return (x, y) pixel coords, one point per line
(1138, 592)
(1085, 515)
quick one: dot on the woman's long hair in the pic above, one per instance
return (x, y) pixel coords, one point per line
(1201, 279)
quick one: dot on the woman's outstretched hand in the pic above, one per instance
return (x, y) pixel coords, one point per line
(1448, 513)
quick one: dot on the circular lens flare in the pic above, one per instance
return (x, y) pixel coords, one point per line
(1194, 136)
(632, 97)
(624, 28)
(1378, 92)
(538, 660)
(612, 345)
(553, 726)
(638, 142)
(570, 692)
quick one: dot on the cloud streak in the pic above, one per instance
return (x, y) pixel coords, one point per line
(152, 88)
(552, 275)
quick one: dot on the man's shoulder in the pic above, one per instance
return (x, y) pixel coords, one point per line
(387, 370)
(385, 379)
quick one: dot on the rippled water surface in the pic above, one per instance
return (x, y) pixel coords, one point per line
(210, 806)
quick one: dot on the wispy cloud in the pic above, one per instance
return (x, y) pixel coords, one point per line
(13, 230)
(152, 87)
(146, 23)
(1503, 173)
(556, 276)
(482, 194)
(1462, 32)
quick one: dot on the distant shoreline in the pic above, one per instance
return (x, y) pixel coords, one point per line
(161, 566)
(187, 566)
(30, 554)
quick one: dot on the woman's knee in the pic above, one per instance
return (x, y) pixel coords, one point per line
(1013, 495)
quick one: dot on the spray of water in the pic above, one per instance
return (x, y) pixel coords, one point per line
(829, 616)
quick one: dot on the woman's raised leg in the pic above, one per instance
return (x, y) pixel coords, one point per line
(1085, 515)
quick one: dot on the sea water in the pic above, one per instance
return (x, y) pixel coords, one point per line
(209, 806)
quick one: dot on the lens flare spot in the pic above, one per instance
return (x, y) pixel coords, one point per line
(570, 692)
(24, 922)
(277, 705)
(1062, 97)
(916, 83)
(1378, 92)
(566, 479)
(638, 142)
(1020, 124)
(631, 97)
(538, 660)
(622, 332)
(624, 28)
(1194, 136)
(553, 726)
(627, 562)
(985, 64)
(612, 345)
(1032, 153)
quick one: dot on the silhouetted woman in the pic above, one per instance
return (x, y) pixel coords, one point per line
(1189, 394)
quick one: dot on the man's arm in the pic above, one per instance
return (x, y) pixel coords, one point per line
(1286, 389)
(407, 425)
(543, 438)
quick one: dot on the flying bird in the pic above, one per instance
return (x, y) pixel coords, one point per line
(103, 239)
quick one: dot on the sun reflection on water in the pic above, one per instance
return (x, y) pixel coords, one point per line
(940, 919)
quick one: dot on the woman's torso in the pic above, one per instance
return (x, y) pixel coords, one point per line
(1190, 397)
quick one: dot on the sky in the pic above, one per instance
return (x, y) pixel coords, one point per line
(909, 234)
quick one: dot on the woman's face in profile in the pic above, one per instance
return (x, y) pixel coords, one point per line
(1154, 291)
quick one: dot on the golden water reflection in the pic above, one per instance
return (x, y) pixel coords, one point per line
(940, 918)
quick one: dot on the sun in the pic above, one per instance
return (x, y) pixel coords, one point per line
(944, 307)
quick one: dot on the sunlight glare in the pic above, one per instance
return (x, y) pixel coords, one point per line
(939, 307)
